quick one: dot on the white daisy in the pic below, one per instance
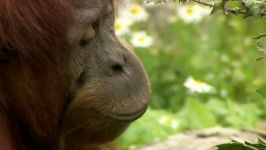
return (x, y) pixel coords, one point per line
(175, 124)
(165, 120)
(122, 26)
(141, 39)
(198, 86)
(135, 12)
(169, 121)
(192, 13)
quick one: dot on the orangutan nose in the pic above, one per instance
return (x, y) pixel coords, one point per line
(116, 64)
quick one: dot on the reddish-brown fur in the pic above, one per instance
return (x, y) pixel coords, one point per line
(29, 86)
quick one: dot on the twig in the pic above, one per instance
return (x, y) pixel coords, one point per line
(258, 59)
(235, 11)
(203, 3)
(260, 36)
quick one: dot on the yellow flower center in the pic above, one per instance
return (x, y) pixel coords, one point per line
(189, 11)
(118, 26)
(168, 120)
(198, 82)
(134, 10)
(142, 39)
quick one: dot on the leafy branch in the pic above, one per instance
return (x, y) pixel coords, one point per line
(235, 11)
(260, 36)
(247, 8)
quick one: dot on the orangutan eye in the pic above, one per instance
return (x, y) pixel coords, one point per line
(88, 35)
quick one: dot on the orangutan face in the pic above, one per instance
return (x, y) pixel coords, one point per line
(110, 88)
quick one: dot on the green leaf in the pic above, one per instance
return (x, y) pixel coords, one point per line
(262, 91)
(261, 142)
(242, 146)
(234, 146)
(256, 8)
(248, 2)
(258, 145)
(261, 45)
(197, 115)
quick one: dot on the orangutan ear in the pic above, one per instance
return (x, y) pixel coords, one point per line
(7, 54)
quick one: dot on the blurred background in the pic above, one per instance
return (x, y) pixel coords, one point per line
(202, 68)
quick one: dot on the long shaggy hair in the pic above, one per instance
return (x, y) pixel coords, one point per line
(32, 90)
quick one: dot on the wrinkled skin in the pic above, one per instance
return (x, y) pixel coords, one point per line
(109, 88)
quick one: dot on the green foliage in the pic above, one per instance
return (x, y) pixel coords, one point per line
(159, 124)
(262, 91)
(156, 125)
(182, 53)
(196, 115)
(230, 113)
(242, 146)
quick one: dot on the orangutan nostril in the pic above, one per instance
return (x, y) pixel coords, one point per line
(117, 68)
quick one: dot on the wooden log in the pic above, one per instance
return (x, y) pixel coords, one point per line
(204, 139)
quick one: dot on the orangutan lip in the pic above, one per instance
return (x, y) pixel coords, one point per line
(127, 117)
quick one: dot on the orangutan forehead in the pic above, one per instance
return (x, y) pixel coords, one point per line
(88, 11)
(91, 9)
